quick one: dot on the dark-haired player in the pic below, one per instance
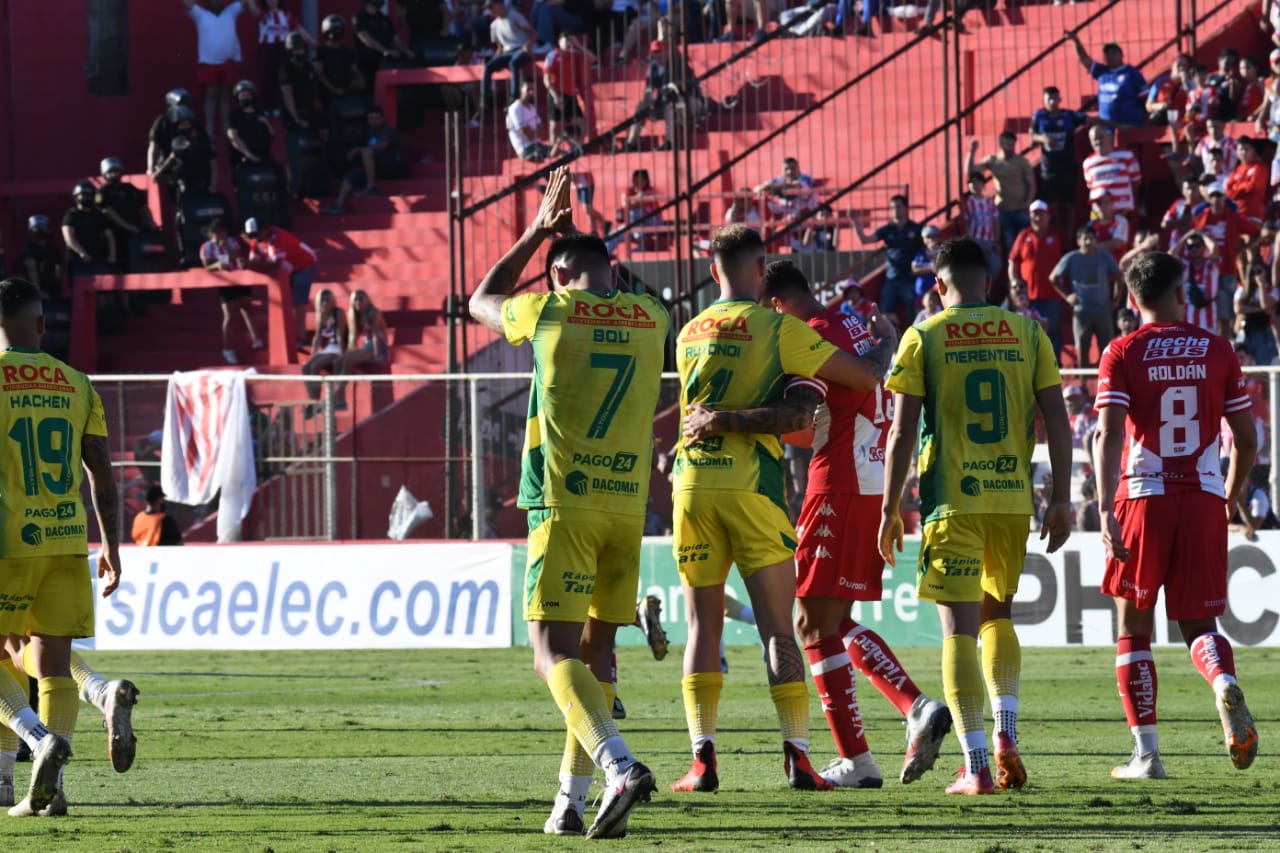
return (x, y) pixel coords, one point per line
(729, 503)
(1162, 393)
(51, 423)
(976, 374)
(837, 559)
(597, 362)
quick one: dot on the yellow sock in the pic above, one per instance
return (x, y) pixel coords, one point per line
(576, 761)
(580, 699)
(1002, 669)
(702, 704)
(791, 700)
(962, 682)
(8, 738)
(59, 706)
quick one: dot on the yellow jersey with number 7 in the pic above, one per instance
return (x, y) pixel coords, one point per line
(597, 368)
(46, 410)
(738, 355)
(978, 368)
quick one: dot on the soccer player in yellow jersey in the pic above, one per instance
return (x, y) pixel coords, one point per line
(728, 496)
(976, 374)
(597, 355)
(51, 423)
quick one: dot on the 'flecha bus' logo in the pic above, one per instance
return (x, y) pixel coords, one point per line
(1006, 464)
(576, 483)
(31, 534)
(66, 509)
(971, 487)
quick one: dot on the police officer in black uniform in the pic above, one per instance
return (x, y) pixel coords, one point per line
(190, 166)
(250, 132)
(40, 262)
(91, 245)
(335, 63)
(125, 207)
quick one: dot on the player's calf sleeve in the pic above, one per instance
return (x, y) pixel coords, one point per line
(1136, 679)
(576, 761)
(833, 676)
(580, 699)
(701, 692)
(1214, 658)
(15, 708)
(1002, 670)
(59, 705)
(791, 701)
(871, 656)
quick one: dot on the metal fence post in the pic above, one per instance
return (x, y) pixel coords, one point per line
(479, 506)
(1273, 402)
(330, 467)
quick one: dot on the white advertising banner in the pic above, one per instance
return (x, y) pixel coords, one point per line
(310, 597)
(1059, 602)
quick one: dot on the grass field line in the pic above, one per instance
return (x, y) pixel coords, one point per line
(286, 691)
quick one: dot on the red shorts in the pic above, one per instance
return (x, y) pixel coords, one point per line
(227, 74)
(838, 555)
(1176, 541)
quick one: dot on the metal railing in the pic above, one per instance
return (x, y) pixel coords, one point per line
(326, 474)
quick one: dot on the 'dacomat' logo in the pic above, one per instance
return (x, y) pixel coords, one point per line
(971, 486)
(31, 535)
(577, 483)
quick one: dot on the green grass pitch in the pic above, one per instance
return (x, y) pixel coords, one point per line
(459, 750)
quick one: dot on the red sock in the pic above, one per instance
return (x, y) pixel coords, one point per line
(832, 675)
(1212, 654)
(1136, 678)
(872, 657)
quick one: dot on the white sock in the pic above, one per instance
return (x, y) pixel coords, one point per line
(573, 793)
(699, 741)
(94, 691)
(800, 743)
(27, 726)
(975, 750)
(8, 759)
(613, 757)
(1145, 738)
(1005, 711)
(1220, 683)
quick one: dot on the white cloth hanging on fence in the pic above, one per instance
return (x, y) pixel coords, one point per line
(208, 445)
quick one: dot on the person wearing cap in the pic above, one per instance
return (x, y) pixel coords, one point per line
(1054, 130)
(1204, 285)
(154, 525)
(270, 247)
(1268, 115)
(1089, 281)
(1015, 183)
(1229, 230)
(1112, 231)
(1248, 182)
(1121, 90)
(1115, 170)
(90, 242)
(1036, 250)
(40, 262)
(124, 205)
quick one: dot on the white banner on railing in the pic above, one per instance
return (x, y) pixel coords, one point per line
(1059, 602)
(310, 597)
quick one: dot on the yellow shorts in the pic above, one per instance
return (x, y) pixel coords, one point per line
(715, 528)
(582, 563)
(964, 556)
(46, 595)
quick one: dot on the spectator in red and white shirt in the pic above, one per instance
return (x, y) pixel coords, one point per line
(217, 55)
(1112, 231)
(1036, 251)
(1217, 138)
(1251, 91)
(1227, 229)
(1179, 217)
(274, 26)
(1203, 282)
(980, 220)
(1247, 183)
(273, 248)
(1168, 94)
(566, 73)
(1115, 170)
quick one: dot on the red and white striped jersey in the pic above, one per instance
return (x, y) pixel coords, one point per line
(850, 427)
(1226, 144)
(1176, 382)
(1116, 172)
(1205, 274)
(980, 217)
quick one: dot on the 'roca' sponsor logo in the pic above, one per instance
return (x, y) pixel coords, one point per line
(31, 534)
(577, 483)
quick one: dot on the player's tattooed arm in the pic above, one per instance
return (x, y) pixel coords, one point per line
(793, 412)
(102, 483)
(555, 216)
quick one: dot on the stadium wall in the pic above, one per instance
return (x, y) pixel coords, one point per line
(467, 595)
